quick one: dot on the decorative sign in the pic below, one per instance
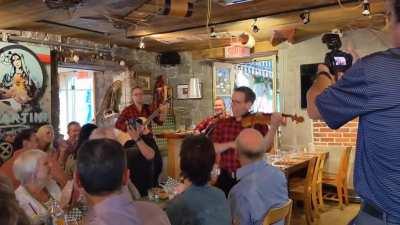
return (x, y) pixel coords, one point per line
(23, 83)
(237, 52)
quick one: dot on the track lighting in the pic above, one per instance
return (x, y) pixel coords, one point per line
(305, 16)
(254, 27)
(366, 8)
(75, 58)
(142, 45)
(213, 34)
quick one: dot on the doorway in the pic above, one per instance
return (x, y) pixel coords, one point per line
(76, 97)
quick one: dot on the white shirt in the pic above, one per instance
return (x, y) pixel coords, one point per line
(32, 207)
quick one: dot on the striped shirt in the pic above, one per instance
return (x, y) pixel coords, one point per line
(370, 90)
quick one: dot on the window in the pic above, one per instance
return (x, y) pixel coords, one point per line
(259, 75)
(76, 97)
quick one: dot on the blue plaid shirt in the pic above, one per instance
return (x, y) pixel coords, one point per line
(261, 187)
(370, 90)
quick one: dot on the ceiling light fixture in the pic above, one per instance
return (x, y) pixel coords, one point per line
(366, 8)
(213, 34)
(142, 45)
(254, 26)
(305, 16)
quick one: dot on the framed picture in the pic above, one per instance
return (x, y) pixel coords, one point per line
(144, 81)
(182, 91)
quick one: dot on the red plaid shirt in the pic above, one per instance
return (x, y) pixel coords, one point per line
(205, 123)
(133, 112)
(226, 131)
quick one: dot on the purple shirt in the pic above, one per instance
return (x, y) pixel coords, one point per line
(121, 209)
(117, 209)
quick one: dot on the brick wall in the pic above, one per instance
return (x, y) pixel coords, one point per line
(345, 136)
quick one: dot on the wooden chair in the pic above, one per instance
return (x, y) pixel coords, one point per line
(316, 187)
(277, 214)
(302, 191)
(339, 180)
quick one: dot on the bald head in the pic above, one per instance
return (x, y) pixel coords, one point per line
(103, 132)
(250, 144)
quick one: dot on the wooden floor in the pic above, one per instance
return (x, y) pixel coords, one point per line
(332, 215)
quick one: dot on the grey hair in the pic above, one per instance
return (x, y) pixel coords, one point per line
(26, 164)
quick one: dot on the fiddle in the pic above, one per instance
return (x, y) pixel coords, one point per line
(265, 118)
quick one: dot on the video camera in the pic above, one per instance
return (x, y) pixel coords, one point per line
(336, 60)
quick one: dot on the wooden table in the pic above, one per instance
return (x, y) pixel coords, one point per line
(296, 162)
(174, 141)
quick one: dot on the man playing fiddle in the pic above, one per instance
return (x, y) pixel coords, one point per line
(228, 129)
(139, 109)
(206, 125)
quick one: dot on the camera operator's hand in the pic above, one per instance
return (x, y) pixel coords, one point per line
(350, 49)
(323, 69)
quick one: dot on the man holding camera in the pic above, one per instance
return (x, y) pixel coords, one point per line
(368, 90)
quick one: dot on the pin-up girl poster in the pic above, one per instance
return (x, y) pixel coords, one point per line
(22, 78)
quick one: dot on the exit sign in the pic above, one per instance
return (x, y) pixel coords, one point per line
(237, 52)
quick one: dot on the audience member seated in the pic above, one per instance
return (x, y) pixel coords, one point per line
(261, 186)
(144, 159)
(73, 130)
(110, 133)
(9, 137)
(45, 136)
(199, 203)
(101, 173)
(103, 133)
(84, 135)
(10, 211)
(25, 140)
(35, 171)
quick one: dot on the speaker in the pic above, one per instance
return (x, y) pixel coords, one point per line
(169, 59)
(308, 73)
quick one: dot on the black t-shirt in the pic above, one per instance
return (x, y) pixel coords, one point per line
(143, 173)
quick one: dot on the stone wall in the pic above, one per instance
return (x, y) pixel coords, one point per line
(186, 111)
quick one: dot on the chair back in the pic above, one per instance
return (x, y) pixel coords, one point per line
(275, 215)
(309, 176)
(344, 165)
(320, 168)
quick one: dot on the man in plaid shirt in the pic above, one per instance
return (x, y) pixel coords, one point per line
(139, 109)
(206, 125)
(226, 131)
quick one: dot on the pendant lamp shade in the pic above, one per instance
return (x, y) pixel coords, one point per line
(194, 88)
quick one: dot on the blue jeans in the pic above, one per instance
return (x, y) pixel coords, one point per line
(365, 219)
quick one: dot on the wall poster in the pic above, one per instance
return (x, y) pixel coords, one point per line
(24, 86)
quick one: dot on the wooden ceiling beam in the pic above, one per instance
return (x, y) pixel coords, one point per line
(322, 20)
(219, 53)
(244, 12)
